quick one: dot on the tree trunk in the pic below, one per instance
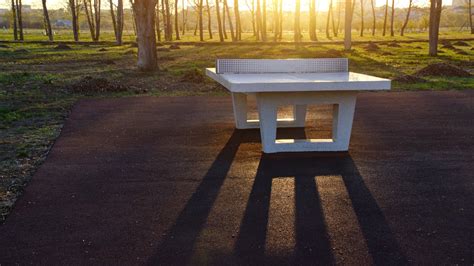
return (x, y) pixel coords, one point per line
(469, 8)
(297, 21)
(252, 12)
(312, 20)
(264, 20)
(19, 15)
(47, 22)
(97, 19)
(200, 21)
(157, 21)
(169, 26)
(328, 18)
(75, 19)
(209, 21)
(260, 35)
(219, 21)
(276, 20)
(402, 31)
(281, 21)
(224, 30)
(435, 15)
(184, 17)
(231, 26)
(14, 21)
(392, 18)
(348, 26)
(176, 19)
(90, 21)
(361, 18)
(385, 18)
(146, 39)
(238, 23)
(334, 29)
(373, 16)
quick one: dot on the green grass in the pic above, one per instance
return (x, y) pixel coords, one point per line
(36, 95)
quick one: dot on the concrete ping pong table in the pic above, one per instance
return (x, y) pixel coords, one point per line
(297, 83)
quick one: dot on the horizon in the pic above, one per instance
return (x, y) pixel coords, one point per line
(322, 5)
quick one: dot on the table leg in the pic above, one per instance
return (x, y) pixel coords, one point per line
(239, 102)
(299, 115)
(267, 112)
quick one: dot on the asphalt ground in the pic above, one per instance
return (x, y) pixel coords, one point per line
(169, 181)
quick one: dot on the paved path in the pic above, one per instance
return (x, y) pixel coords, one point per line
(169, 181)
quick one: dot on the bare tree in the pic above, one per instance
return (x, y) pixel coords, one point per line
(312, 20)
(14, 21)
(157, 21)
(92, 9)
(200, 22)
(435, 16)
(251, 8)
(264, 20)
(469, 9)
(74, 8)
(47, 22)
(328, 19)
(348, 26)
(209, 22)
(238, 23)
(297, 21)
(146, 39)
(231, 26)
(176, 19)
(260, 35)
(392, 18)
(361, 18)
(385, 18)
(19, 18)
(281, 21)
(184, 17)
(373, 17)
(402, 31)
(219, 22)
(276, 20)
(169, 26)
(117, 20)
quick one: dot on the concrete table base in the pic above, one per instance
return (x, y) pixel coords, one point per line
(268, 103)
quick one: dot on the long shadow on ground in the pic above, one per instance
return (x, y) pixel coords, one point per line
(312, 239)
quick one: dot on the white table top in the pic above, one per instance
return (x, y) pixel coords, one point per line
(290, 82)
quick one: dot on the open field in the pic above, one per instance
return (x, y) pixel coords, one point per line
(39, 84)
(288, 36)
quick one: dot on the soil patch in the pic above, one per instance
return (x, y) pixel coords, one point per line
(134, 45)
(96, 85)
(130, 52)
(159, 44)
(393, 44)
(174, 47)
(409, 79)
(442, 69)
(449, 46)
(4, 46)
(461, 43)
(62, 46)
(372, 47)
(333, 53)
(21, 51)
(163, 50)
(461, 52)
(102, 50)
(193, 75)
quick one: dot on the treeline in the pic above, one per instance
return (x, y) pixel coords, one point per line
(216, 19)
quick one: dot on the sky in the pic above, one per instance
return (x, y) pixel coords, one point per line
(289, 4)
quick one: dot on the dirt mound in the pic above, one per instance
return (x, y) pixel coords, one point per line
(62, 46)
(371, 47)
(102, 50)
(461, 52)
(193, 75)
(4, 46)
(108, 62)
(174, 47)
(393, 44)
(449, 46)
(445, 42)
(90, 84)
(409, 79)
(461, 43)
(418, 47)
(21, 51)
(333, 53)
(442, 69)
